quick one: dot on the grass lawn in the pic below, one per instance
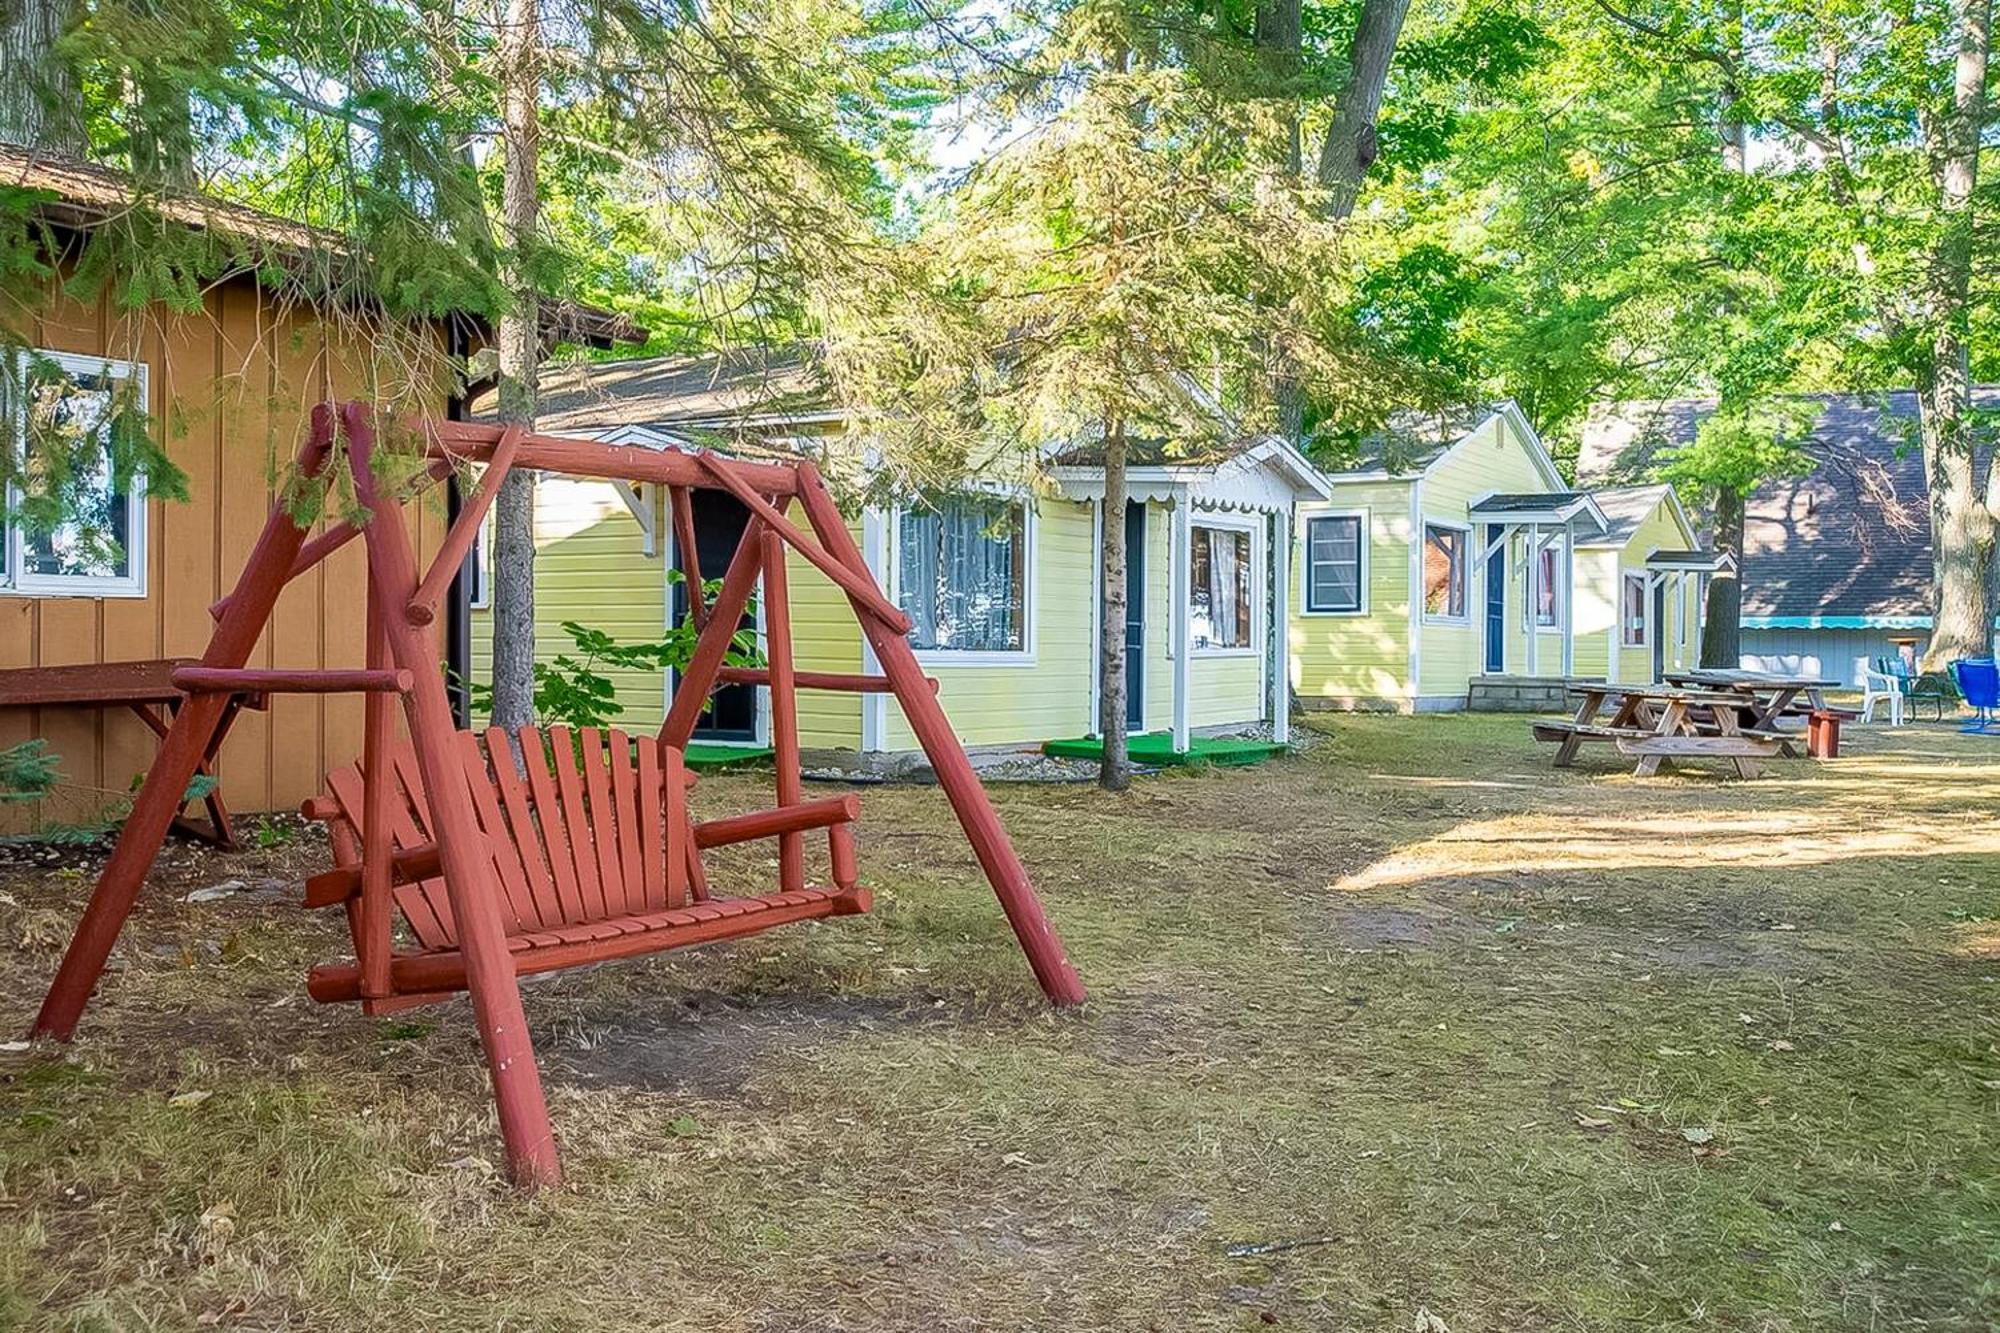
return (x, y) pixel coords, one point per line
(1451, 1040)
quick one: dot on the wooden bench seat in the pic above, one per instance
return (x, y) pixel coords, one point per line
(594, 856)
(1558, 731)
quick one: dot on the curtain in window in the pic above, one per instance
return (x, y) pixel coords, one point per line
(1223, 574)
(960, 575)
(1219, 588)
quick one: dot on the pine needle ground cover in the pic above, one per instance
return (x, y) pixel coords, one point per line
(1404, 1031)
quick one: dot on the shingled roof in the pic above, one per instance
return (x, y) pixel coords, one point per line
(79, 196)
(1852, 538)
(707, 391)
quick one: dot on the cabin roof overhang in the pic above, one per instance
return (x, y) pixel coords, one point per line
(1267, 476)
(1554, 509)
(1701, 562)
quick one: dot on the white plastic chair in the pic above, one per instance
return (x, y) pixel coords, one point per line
(1879, 685)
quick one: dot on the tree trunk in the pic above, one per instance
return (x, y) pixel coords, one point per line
(1722, 612)
(1280, 41)
(40, 105)
(1115, 773)
(1962, 526)
(520, 353)
(1350, 145)
(1735, 134)
(1962, 521)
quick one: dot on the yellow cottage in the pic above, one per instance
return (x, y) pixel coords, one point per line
(1000, 580)
(1452, 567)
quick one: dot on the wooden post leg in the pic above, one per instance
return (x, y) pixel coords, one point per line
(218, 813)
(468, 872)
(180, 757)
(961, 786)
(784, 708)
(1726, 725)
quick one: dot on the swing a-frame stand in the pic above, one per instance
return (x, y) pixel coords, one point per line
(509, 854)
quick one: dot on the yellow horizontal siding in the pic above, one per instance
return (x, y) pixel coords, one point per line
(1225, 691)
(1493, 460)
(1596, 611)
(591, 567)
(1366, 657)
(825, 637)
(1023, 703)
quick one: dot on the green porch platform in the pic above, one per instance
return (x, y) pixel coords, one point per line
(1156, 749)
(706, 754)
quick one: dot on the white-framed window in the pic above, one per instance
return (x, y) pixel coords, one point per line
(101, 550)
(1445, 569)
(1335, 571)
(1222, 587)
(962, 573)
(1632, 617)
(1548, 596)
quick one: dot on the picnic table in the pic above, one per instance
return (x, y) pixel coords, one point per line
(1656, 725)
(1776, 696)
(145, 689)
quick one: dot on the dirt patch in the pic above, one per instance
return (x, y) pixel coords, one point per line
(709, 1044)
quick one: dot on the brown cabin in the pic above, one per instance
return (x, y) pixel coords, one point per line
(229, 387)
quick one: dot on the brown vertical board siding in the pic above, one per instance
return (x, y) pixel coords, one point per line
(71, 627)
(190, 576)
(341, 616)
(228, 385)
(243, 390)
(296, 371)
(132, 627)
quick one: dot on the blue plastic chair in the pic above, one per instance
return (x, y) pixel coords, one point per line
(1979, 681)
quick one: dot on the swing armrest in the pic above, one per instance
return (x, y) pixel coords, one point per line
(826, 813)
(334, 887)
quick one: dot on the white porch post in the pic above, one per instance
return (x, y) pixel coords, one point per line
(1534, 599)
(1096, 670)
(1568, 610)
(1281, 628)
(1655, 645)
(1181, 561)
(874, 707)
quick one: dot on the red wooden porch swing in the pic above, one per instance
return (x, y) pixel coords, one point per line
(584, 851)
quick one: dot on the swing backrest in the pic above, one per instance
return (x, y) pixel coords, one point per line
(589, 827)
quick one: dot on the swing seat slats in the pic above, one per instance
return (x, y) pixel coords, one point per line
(593, 853)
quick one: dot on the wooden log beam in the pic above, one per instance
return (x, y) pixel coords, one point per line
(469, 875)
(476, 441)
(784, 707)
(330, 888)
(698, 677)
(180, 757)
(834, 681)
(688, 551)
(230, 680)
(450, 558)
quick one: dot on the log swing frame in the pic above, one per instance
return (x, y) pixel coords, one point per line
(421, 828)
